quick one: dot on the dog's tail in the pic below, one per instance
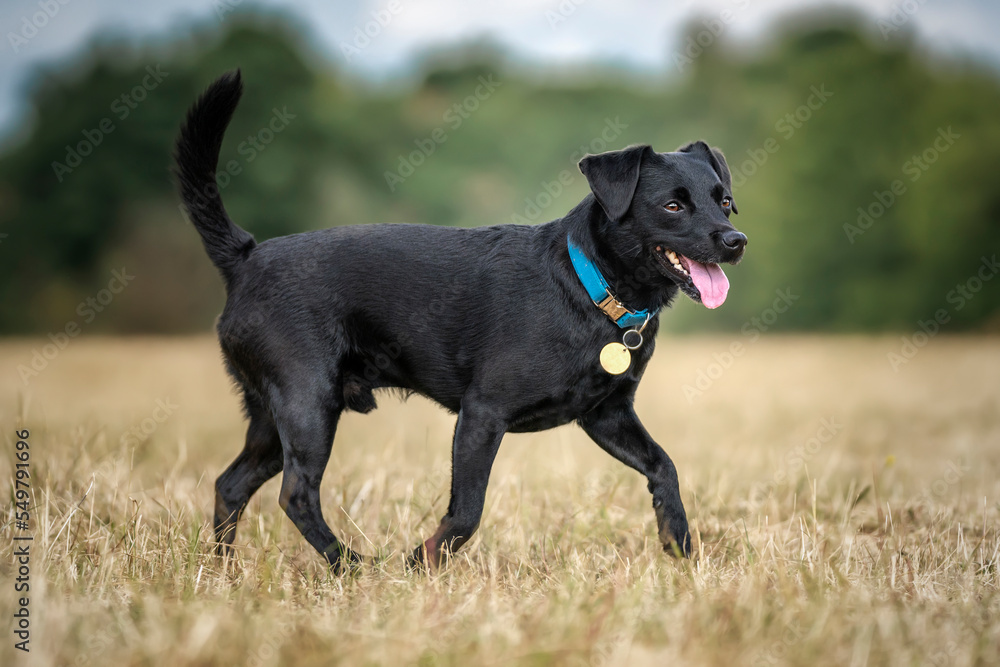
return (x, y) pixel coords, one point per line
(196, 155)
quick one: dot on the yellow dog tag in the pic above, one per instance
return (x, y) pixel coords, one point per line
(615, 358)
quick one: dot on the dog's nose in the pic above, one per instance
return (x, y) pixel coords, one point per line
(734, 240)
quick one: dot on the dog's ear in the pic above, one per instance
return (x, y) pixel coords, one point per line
(716, 159)
(613, 176)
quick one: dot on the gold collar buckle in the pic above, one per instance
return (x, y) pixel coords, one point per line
(612, 307)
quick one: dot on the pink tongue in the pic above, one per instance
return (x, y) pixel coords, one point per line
(710, 281)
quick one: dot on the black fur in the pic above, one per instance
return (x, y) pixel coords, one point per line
(196, 157)
(491, 322)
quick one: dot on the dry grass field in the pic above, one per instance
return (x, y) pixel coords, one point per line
(843, 514)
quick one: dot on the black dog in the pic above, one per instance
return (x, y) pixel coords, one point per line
(497, 324)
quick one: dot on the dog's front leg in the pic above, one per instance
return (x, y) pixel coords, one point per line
(478, 433)
(616, 428)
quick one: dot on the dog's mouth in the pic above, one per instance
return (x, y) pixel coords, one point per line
(706, 284)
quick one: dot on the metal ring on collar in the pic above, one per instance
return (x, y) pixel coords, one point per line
(625, 339)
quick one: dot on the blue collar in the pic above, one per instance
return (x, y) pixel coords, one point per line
(600, 293)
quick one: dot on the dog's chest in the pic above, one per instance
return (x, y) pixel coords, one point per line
(563, 394)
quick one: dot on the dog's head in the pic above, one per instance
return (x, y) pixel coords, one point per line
(673, 207)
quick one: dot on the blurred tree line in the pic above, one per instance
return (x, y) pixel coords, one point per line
(863, 167)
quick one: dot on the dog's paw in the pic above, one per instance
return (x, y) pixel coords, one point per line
(347, 561)
(415, 561)
(420, 560)
(224, 550)
(678, 545)
(674, 534)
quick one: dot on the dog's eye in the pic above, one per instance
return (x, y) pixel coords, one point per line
(727, 202)
(673, 206)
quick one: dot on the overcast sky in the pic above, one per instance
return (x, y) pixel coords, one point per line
(640, 33)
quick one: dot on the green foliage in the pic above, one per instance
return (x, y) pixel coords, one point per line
(509, 155)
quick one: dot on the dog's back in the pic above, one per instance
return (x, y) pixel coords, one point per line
(415, 307)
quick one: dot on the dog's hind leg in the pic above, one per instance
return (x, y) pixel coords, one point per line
(260, 460)
(307, 427)
(477, 439)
